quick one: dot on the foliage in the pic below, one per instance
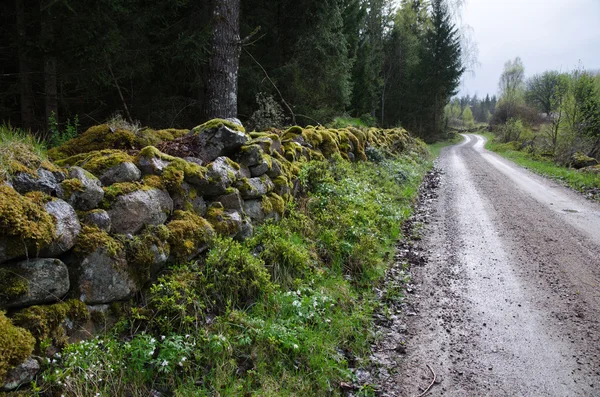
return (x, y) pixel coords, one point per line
(19, 151)
(16, 344)
(58, 137)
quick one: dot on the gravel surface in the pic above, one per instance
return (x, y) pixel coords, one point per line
(505, 297)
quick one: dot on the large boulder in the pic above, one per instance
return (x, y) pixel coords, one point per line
(124, 172)
(33, 281)
(45, 181)
(67, 228)
(103, 278)
(253, 188)
(215, 139)
(83, 190)
(130, 212)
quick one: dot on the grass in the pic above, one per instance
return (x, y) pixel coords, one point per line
(287, 312)
(580, 181)
(436, 148)
(17, 146)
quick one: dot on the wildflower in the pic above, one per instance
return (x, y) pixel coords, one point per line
(295, 346)
(152, 341)
(162, 337)
(164, 363)
(296, 303)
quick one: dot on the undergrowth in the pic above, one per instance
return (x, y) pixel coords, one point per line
(287, 312)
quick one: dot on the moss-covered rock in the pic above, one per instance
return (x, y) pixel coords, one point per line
(25, 225)
(252, 188)
(581, 160)
(132, 211)
(97, 161)
(224, 222)
(16, 344)
(189, 235)
(147, 252)
(83, 190)
(215, 124)
(217, 138)
(48, 322)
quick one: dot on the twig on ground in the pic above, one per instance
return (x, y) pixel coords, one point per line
(432, 382)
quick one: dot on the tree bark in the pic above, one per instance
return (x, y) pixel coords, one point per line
(25, 83)
(50, 79)
(223, 64)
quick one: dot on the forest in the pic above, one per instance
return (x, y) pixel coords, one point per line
(67, 65)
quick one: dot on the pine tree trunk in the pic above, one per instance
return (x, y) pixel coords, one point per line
(25, 84)
(50, 81)
(223, 64)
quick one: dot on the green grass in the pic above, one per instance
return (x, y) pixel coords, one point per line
(281, 314)
(580, 181)
(436, 148)
(17, 146)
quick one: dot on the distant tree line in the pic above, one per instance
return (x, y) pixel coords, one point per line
(467, 111)
(555, 113)
(157, 61)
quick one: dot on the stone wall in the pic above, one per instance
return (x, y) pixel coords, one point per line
(114, 207)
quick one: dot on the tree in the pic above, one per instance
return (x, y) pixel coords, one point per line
(511, 87)
(440, 69)
(467, 117)
(223, 65)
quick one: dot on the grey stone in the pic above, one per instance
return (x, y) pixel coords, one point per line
(235, 121)
(259, 170)
(47, 281)
(20, 375)
(46, 181)
(250, 155)
(219, 176)
(216, 142)
(265, 143)
(152, 165)
(255, 187)
(124, 172)
(98, 218)
(189, 198)
(231, 201)
(104, 278)
(130, 212)
(253, 208)
(275, 170)
(194, 160)
(92, 193)
(67, 228)
(246, 230)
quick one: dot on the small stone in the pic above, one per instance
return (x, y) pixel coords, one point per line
(124, 172)
(67, 228)
(45, 181)
(20, 375)
(98, 218)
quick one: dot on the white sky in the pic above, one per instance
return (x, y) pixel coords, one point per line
(546, 34)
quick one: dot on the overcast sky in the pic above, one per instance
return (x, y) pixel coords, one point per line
(546, 34)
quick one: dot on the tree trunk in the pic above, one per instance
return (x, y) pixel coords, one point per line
(50, 81)
(25, 84)
(223, 64)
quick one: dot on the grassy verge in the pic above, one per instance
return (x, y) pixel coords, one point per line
(287, 312)
(436, 148)
(580, 181)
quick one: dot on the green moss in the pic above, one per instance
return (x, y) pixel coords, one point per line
(16, 344)
(71, 186)
(12, 285)
(191, 171)
(98, 161)
(270, 135)
(24, 222)
(45, 321)
(91, 238)
(220, 220)
(153, 181)
(173, 177)
(277, 203)
(188, 233)
(140, 256)
(291, 132)
(217, 123)
(118, 189)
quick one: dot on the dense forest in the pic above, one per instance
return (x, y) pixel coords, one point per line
(156, 62)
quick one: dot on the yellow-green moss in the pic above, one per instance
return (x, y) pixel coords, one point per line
(102, 137)
(220, 220)
(191, 171)
(217, 123)
(117, 189)
(91, 238)
(140, 256)
(45, 321)
(270, 135)
(153, 181)
(188, 232)
(291, 132)
(12, 285)
(24, 221)
(71, 186)
(97, 161)
(16, 344)
(277, 203)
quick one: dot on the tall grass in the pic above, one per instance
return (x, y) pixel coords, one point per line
(18, 146)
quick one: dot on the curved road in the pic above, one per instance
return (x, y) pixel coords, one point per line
(509, 301)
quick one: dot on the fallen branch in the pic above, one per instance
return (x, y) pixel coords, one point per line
(432, 382)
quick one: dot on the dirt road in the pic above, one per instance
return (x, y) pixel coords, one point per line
(508, 303)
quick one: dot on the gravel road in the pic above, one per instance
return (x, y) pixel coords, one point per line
(508, 302)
